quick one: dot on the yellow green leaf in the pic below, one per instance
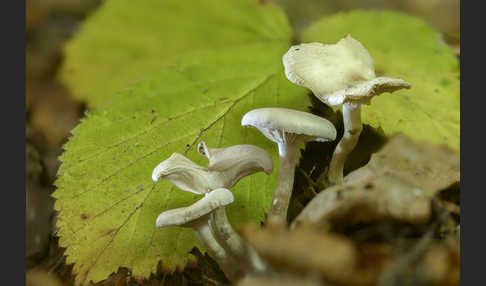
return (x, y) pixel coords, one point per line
(123, 42)
(107, 201)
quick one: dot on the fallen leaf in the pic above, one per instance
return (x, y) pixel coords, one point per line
(428, 166)
(106, 199)
(115, 47)
(398, 184)
(304, 251)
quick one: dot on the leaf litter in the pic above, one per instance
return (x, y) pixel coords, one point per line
(385, 225)
(398, 183)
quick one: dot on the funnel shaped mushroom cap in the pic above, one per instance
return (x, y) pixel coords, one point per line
(337, 73)
(185, 174)
(226, 167)
(188, 215)
(173, 164)
(273, 121)
(245, 159)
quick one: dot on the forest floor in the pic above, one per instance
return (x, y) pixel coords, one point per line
(378, 242)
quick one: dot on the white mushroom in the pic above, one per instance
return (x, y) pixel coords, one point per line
(226, 167)
(249, 159)
(237, 161)
(187, 175)
(197, 216)
(339, 74)
(289, 129)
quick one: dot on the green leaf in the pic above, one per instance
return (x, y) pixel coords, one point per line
(407, 48)
(106, 199)
(123, 42)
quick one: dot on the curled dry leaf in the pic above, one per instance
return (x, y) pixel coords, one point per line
(429, 167)
(398, 183)
(304, 251)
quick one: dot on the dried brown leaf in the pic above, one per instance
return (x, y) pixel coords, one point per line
(397, 184)
(429, 167)
(304, 251)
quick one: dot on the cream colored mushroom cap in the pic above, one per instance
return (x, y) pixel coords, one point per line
(182, 216)
(273, 119)
(337, 73)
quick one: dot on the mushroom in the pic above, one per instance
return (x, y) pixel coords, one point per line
(236, 162)
(187, 175)
(197, 216)
(248, 159)
(226, 167)
(339, 74)
(289, 129)
(248, 258)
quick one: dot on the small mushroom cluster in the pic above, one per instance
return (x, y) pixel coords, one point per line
(339, 74)
(208, 216)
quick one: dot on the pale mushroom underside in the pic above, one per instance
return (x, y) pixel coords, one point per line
(273, 122)
(186, 215)
(363, 93)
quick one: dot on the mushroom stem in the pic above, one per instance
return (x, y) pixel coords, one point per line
(233, 243)
(352, 130)
(217, 252)
(285, 183)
